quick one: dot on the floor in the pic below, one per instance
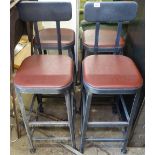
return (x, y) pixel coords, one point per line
(54, 108)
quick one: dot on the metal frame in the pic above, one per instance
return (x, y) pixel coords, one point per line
(44, 11)
(117, 49)
(87, 94)
(41, 8)
(88, 91)
(38, 49)
(30, 125)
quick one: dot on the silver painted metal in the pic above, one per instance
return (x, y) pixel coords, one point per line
(124, 107)
(107, 124)
(67, 91)
(132, 117)
(85, 120)
(25, 120)
(126, 125)
(49, 124)
(105, 139)
(70, 110)
(55, 139)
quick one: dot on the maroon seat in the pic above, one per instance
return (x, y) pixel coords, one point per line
(111, 71)
(48, 37)
(45, 71)
(106, 38)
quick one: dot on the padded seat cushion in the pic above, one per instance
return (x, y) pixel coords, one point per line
(52, 71)
(48, 37)
(111, 71)
(107, 38)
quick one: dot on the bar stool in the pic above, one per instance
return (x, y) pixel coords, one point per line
(46, 39)
(46, 74)
(109, 74)
(101, 39)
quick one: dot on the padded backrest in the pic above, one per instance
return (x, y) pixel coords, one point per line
(110, 11)
(45, 11)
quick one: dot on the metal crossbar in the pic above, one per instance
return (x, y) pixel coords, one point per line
(107, 124)
(49, 124)
(124, 108)
(58, 139)
(105, 139)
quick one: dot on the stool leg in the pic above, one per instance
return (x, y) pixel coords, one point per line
(40, 105)
(73, 53)
(22, 108)
(70, 53)
(82, 106)
(45, 51)
(69, 106)
(15, 113)
(83, 53)
(132, 116)
(85, 121)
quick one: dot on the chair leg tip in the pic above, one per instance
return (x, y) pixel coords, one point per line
(124, 151)
(32, 150)
(81, 150)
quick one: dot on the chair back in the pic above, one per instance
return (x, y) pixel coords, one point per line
(34, 11)
(110, 12)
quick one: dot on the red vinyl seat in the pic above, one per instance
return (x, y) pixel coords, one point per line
(48, 37)
(111, 71)
(106, 38)
(45, 71)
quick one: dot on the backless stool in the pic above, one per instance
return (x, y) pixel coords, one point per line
(109, 74)
(46, 74)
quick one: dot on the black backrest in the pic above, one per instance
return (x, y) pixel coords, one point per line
(45, 11)
(110, 11)
(34, 11)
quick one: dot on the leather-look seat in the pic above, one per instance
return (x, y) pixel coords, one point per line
(48, 37)
(111, 71)
(45, 71)
(106, 38)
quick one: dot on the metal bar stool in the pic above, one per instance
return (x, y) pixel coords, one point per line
(49, 39)
(109, 74)
(46, 74)
(106, 39)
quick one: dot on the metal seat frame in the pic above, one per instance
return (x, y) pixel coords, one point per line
(47, 11)
(88, 91)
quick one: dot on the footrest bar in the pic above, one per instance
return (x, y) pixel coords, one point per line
(49, 124)
(58, 139)
(105, 139)
(107, 124)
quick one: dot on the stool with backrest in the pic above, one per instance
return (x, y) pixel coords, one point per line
(47, 39)
(107, 40)
(46, 74)
(109, 74)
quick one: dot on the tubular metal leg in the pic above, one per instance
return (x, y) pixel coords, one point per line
(22, 108)
(73, 53)
(40, 105)
(85, 121)
(69, 106)
(132, 116)
(45, 51)
(15, 113)
(82, 106)
(70, 53)
(83, 53)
